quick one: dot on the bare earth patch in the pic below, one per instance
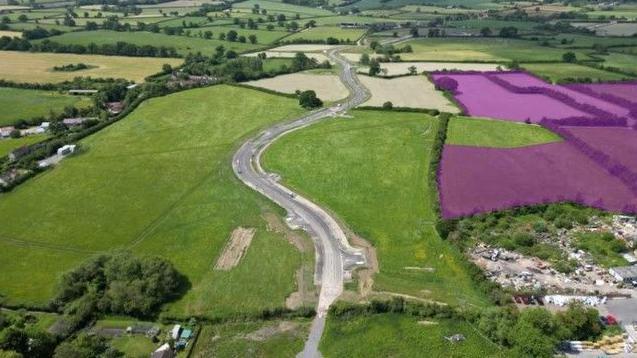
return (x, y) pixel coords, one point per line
(402, 68)
(235, 248)
(327, 87)
(302, 48)
(268, 332)
(410, 91)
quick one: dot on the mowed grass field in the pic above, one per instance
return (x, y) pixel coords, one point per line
(556, 72)
(488, 50)
(17, 103)
(182, 44)
(372, 171)
(158, 182)
(395, 335)
(37, 67)
(496, 134)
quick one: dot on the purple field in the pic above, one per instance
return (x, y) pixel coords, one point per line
(483, 98)
(626, 90)
(617, 142)
(527, 80)
(475, 179)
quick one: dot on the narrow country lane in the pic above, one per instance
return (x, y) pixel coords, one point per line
(334, 255)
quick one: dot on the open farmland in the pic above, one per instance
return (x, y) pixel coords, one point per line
(327, 87)
(263, 36)
(281, 7)
(410, 91)
(497, 134)
(185, 218)
(626, 91)
(371, 171)
(403, 336)
(481, 50)
(182, 44)
(324, 32)
(26, 104)
(558, 72)
(37, 67)
(10, 33)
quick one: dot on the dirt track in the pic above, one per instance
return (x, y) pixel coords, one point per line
(235, 248)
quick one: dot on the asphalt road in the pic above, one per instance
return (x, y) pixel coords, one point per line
(334, 255)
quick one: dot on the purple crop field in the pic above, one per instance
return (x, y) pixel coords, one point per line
(475, 180)
(483, 98)
(596, 165)
(623, 90)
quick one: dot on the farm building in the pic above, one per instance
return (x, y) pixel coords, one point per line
(626, 274)
(163, 352)
(175, 332)
(114, 107)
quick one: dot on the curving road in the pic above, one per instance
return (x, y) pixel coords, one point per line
(335, 258)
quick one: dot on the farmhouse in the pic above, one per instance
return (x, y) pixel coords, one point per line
(163, 352)
(626, 274)
(5, 132)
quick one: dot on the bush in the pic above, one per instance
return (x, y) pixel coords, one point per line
(388, 105)
(308, 99)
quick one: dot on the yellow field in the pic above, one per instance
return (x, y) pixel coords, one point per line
(410, 91)
(37, 67)
(11, 33)
(327, 87)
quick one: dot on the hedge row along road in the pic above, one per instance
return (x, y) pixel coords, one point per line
(334, 255)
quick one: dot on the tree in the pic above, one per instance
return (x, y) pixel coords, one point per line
(15, 134)
(167, 68)
(207, 35)
(232, 36)
(569, 57)
(308, 99)
(388, 105)
(23, 18)
(414, 32)
(252, 38)
(364, 59)
(486, 32)
(509, 32)
(374, 67)
(412, 70)
(447, 84)
(581, 323)
(86, 346)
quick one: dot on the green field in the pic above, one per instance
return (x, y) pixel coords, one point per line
(8, 145)
(486, 50)
(578, 41)
(263, 36)
(182, 44)
(372, 172)
(496, 134)
(603, 246)
(280, 7)
(624, 62)
(323, 32)
(134, 346)
(17, 103)
(159, 182)
(395, 335)
(556, 72)
(285, 339)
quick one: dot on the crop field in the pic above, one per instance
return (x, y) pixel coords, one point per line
(288, 55)
(323, 32)
(557, 72)
(7, 145)
(371, 171)
(503, 103)
(185, 218)
(478, 179)
(496, 134)
(494, 25)
(37, 67)
(10, 33)
(327, 87)
(609, 29)
(410, 91)
(581, 41)
(26, 104)
(626, 91)
(182, 44)
(395, 335)
(482, 50)
(257, 339)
